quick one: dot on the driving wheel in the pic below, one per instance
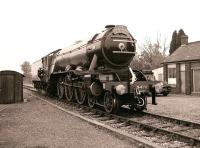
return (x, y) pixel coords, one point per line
(80, 95)
(69, 90)
(60, 89)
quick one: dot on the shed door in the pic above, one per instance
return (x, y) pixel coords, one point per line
(6, 88)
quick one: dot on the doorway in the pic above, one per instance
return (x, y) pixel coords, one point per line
(182, 75)
(6, 88)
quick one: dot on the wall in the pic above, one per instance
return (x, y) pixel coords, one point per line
(188, 78)
(178, 79)
(186, 68)
(158, 74)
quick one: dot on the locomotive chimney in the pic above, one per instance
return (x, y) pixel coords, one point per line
(184, 40)
(109, 26)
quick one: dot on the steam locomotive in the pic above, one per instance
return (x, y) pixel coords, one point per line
(96, 72)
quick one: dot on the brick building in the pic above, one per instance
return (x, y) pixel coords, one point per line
(182, 68)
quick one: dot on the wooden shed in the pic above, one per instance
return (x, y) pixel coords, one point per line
(11, 87)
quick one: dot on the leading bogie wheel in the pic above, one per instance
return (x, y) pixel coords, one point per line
(110, 102)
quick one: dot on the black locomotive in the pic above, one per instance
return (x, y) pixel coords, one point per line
(96, 72)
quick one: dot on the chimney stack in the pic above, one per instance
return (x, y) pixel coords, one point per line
(184, 40)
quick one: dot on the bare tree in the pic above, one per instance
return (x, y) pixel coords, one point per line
(152, 54)
(26, 68)
(137, 62)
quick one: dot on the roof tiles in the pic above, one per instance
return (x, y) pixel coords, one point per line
(185, 53)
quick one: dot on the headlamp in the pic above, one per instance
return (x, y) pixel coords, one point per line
(120, 89)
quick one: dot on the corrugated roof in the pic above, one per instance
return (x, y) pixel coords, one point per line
(185, 53)
(10, 72)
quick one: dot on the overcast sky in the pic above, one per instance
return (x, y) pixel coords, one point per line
(30, 29)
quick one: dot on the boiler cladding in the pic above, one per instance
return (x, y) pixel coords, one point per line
(113, 48)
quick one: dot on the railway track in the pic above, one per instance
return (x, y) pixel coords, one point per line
(3, 107)
(158, 131)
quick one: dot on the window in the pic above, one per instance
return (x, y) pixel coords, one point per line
(171, 72)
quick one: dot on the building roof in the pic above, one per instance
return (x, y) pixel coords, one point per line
(188, 52)
(10, 72)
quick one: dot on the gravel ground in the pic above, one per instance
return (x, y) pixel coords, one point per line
(2, 106)
(36, 124)
(178, 106)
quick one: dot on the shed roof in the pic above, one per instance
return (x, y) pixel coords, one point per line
(10, 72)
(188, 52)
